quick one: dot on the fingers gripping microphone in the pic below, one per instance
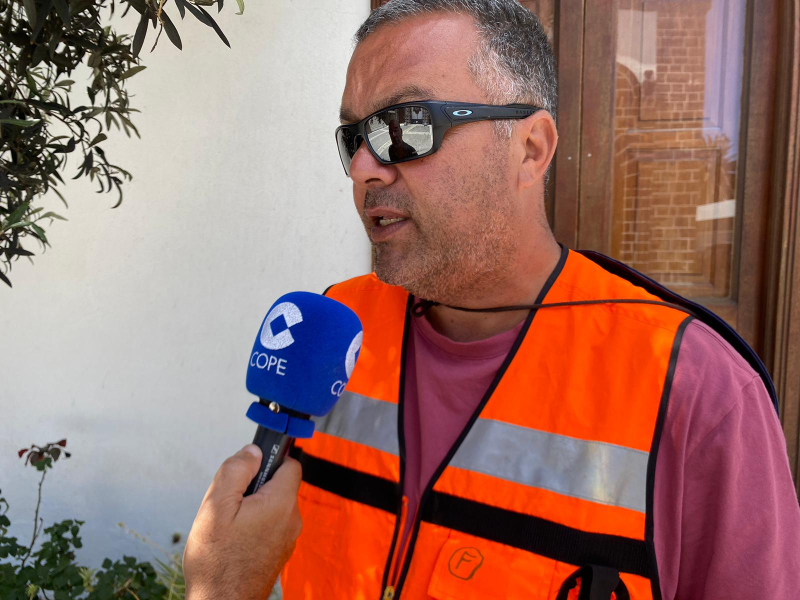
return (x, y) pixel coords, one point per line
(303, 357)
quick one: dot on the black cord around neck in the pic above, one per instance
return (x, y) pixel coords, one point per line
(421, 308)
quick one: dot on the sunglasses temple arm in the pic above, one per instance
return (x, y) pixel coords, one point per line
(458, 115)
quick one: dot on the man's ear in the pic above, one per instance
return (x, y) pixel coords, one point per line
(538, 138)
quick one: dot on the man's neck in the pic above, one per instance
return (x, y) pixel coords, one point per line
(520, 288)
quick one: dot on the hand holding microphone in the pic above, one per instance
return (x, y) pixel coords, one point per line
(237, 546)
(248, 522)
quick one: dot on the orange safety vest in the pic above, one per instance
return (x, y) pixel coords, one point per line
(548, 490)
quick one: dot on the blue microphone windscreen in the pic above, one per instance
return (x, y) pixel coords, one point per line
(304, 353)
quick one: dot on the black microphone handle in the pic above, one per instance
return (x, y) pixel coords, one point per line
(274, 447)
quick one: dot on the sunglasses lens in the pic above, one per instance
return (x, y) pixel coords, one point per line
(346, 142)
(401, 133)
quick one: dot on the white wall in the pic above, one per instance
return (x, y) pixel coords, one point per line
(130, 336)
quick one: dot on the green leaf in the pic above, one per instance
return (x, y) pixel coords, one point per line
(39, 233)
(61, 197)
(182, 8)
(110, 118)
(241, 6)
(127, 122)
(44, 11)
(41, 53)
(141, 32)
(52, 215)
(30, 11)
(172, 33)
(101, 137)
(65, 83)
(18, 213)
(19, 225)
(62, 8)
(131, 72)
(18, 123)
(31, 83)
(205, 18)
(49, 106)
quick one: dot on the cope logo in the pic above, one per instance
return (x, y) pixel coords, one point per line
(337, 389)
(276, 341)
(292, 315)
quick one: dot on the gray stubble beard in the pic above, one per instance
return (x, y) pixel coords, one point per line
(450, 266)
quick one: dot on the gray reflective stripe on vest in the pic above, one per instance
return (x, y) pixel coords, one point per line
(595, 471)
(362, 420)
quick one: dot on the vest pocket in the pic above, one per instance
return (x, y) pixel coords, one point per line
(341, 551)
(473, 568)
(316, 562)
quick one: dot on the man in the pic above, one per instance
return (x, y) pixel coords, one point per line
(608, 443)
(398, 150)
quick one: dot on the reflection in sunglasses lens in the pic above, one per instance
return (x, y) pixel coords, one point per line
(401, 133)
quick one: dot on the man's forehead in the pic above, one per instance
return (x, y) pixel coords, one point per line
(418, 59)
(402, 94)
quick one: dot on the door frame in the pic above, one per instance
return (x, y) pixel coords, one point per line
(782, 348)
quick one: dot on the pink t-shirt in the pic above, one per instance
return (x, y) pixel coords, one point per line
(726, 517)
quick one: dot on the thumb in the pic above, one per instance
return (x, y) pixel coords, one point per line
(235, 475)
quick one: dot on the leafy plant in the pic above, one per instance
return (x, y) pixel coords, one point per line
(42, 42)
(50, 572)
(169, 569)
(41, 458)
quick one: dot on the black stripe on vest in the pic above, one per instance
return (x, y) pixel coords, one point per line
(348, 483)
(534, 534)
(649, 527)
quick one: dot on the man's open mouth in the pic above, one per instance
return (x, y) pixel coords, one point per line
(384, 221)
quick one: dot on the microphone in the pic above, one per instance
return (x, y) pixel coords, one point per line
(302, 359)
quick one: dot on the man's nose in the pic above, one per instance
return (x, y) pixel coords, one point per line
(366, 171)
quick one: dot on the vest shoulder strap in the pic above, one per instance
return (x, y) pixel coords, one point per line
(702, 313)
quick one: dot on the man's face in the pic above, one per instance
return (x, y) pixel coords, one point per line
(395, 133)
(443, 224)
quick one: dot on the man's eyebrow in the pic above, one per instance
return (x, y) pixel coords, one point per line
(410, 92)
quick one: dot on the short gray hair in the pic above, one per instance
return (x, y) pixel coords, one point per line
(514, 63)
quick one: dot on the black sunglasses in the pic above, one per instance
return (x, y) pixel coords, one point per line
(411, 130)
